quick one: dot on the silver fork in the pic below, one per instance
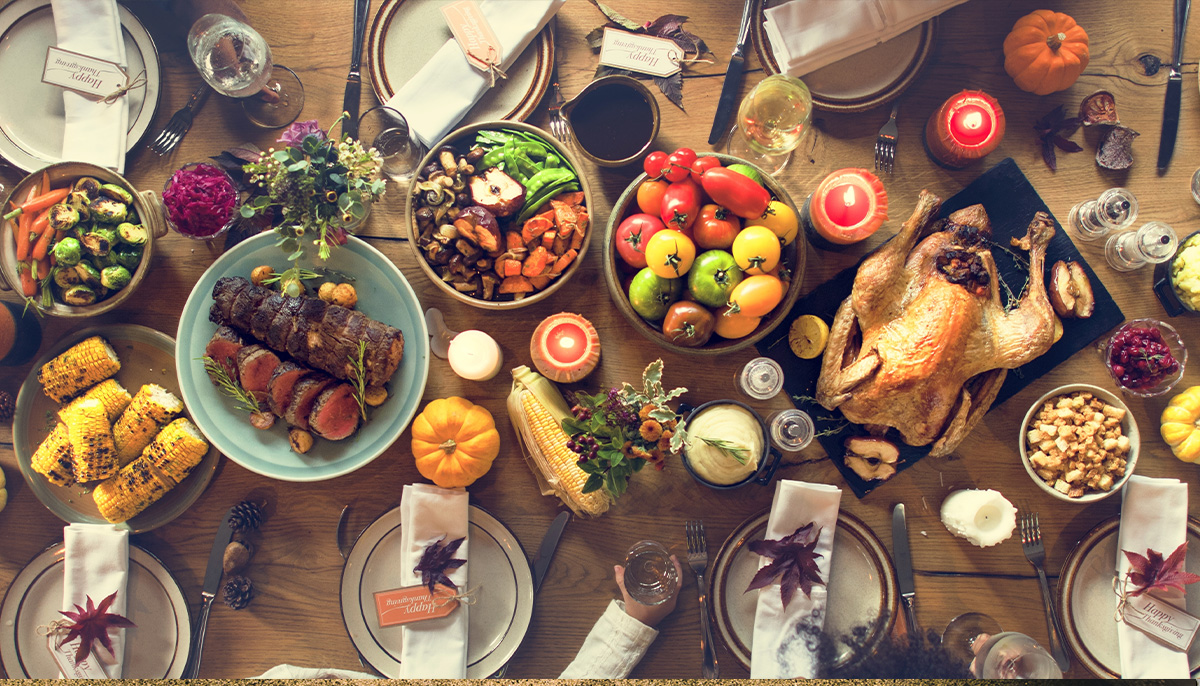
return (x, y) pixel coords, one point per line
(180, 122)
(558, 123)
(885, 143)
(1035, 552)
(698, 561)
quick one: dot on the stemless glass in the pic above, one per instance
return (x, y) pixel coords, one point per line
(650, 576)
(236, 61)
(959, 635)
(386, 130)
(1012, 655)
(772, 119)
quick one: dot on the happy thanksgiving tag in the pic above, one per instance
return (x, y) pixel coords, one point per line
(639, 52)
(413, 604)
(81, 73)
(475, 36)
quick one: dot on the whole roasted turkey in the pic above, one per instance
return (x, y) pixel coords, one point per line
(923, 342)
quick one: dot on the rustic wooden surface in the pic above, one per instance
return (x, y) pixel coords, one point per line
(296, 617)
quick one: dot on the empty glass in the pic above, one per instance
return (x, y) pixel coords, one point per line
(1155, 242)
(650, 576)
(773, 119)
(1011, 655)
(386, 130)
(1115, 209)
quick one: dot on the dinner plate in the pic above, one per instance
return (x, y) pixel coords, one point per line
(383, 294)
(157, 648)
(1086, 600)
(407, 33)
(31, 112)
(861, 81)
(862, 586)
(147, 356)
(498, 620)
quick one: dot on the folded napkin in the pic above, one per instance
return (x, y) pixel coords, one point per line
(1154, 516)
(439, 95)
(433, 648)
(806, 35)
(782, 648)
(96, 564)
(95, 131)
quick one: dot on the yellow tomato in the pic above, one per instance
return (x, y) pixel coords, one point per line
(670, 254)
(781, 220)
(756, 250)
(733, 325)
(757, 295)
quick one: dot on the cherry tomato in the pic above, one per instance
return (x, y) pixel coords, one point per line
(650, 294)
(670, 254)
(679, 164)
(654, 164)
(756, 250)
(703, 164)
(684, 157)
(632, 235)
(713, 277)
(739, 193)
(734, 324)
(781, 220)
(715, 228)
(688, 324)
(681, 206)
(649, 196)
(756, 296)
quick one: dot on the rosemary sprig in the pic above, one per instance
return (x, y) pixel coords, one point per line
(241, 397)
(359, 380)
(731, 449)
(295, 272)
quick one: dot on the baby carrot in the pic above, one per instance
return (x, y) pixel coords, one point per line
(28, 283)
(45, 233)
(39, 203)
(43, 268)
(45, 181)
(24, 224)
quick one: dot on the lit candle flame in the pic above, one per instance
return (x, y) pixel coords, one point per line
(567, 342)
(973, 121)
(848, 196)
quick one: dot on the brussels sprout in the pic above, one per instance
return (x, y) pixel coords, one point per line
(133, 234)
(115, 277)
(66, 278)
(127, 256)
(63, 217)
(108, 211)
(132, 216)
(97, 242)
(80, 201)
(88, 186)
(79, 296)
(88, 274)
(68, 252)
(112, 190)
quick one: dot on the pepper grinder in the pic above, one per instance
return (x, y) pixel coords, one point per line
(1155, 242)
(1114, 210)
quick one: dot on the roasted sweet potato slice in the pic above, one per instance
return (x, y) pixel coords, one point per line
(515, 285)
(572, 198)
(538, 262)
(539, 282)
(563, 262)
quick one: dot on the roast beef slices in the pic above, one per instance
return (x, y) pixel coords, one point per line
(283, 382)
(335, 415)
(223, 348)
(256, 364)
(225, 291)
(304, 397)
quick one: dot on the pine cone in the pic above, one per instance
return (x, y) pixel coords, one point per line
(7, 407)
(238, 591)
(245, 516)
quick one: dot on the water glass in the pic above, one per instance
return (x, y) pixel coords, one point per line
(650, 576)
(1012, 655)
(772, 120)
(386, 130)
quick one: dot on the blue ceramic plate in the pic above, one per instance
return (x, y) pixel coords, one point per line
(383, 294)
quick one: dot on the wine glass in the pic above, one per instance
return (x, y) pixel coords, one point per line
(772, 119)
(236, 61)
(386, 130)
(1012, 655)
(960, 634)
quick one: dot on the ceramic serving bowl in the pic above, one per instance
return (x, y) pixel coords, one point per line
(462, 139)
(768, 461)
(1166, 281)
(1128, 428)
(618, 274)
(150, 212)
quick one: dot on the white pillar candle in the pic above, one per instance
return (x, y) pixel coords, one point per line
(475, 356)
(984, 518)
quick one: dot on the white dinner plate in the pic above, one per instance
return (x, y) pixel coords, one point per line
(1086, 600)
(157, 648)
(498, 620)
(862, 586)
(31, 112)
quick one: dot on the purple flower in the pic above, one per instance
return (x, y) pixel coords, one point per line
(295, 134)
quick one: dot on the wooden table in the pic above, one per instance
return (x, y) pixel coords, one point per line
(296, 619)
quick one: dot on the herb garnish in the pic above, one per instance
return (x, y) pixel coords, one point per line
(729, 448)
(359, 379)
(244, 399)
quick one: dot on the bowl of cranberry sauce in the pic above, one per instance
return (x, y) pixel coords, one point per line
(1145, 357)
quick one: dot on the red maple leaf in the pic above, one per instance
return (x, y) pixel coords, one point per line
(1150, 572)
(793, 562)
(437, 561)
(92, 624)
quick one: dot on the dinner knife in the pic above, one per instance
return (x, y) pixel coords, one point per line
(1170, 124)
(541, 562)
(904, 569)
(362, 8)
(212, 582)
(733, 78)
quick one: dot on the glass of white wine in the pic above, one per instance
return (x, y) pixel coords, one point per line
(773, 119)
(236, 61)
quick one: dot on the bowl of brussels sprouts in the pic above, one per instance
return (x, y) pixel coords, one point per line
(77, 238)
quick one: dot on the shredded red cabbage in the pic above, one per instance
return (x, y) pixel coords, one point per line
(200, 199)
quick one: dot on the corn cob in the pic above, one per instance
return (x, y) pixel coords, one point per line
(52, 459)
(152, 407)
(90, 436)
(82, 365)
(111, 394)
(176, 450)
(537, 409)
(133, 489)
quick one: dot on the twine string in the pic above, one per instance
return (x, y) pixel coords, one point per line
(136, 82)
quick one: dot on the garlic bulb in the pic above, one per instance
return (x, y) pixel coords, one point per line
(984, 518)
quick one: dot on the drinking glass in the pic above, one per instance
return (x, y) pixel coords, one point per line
(1012, 655)
(959, 636)
(772, 119)
(235, 60)
(650, 576)
(386, 130)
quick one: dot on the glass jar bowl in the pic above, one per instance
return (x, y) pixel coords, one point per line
(192, 210)
(1135, 356)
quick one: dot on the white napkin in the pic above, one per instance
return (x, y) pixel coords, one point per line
(1154, 516)
(781, 649)
(96, 564)
(806, 35)
(439, 95)
(95, 131)
(433, 648)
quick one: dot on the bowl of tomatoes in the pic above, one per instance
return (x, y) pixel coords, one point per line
(702, 254)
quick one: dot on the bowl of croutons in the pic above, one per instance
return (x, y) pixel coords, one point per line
(1079, 443)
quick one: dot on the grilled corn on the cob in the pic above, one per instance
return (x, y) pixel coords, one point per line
(83, 365)
(90, 436)
(152, 407)
(177, 449)
(173, 454)
(111, 394)
(52, 459)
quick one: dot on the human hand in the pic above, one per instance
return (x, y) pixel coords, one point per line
(977, 645)
(650, 615)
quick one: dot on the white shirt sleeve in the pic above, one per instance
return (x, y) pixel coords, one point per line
(294, 672)
(613, 647)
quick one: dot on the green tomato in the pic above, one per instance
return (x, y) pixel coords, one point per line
(713, 277)
(651, 295)
(746, 170)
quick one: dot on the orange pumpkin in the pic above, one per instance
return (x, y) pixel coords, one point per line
(1045, 52)
(454, 442)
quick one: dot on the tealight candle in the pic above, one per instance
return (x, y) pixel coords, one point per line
(984, 518)
(848, 206)
(565, 347)
(475, 356)
(965, 128)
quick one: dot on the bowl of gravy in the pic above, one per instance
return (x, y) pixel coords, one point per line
(614, 120)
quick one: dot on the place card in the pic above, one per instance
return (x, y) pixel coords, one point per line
(64, 657)
(81, 73)
(474, 35)
(413, 604)
(1161, 620)
(639, 52)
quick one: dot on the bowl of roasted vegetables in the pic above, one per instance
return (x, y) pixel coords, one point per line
(498, 215)
(77, 238)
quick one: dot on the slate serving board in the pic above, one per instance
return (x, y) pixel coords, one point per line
(1010, 202)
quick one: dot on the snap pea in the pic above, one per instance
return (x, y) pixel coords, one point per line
(547, 176)
(552, 161)
(544, 195)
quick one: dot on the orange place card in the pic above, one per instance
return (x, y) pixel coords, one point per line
(414, 603)
(473, 33)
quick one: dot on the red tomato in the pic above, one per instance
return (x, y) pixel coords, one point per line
(679, 164)
(681, 206)
(632, 235)
(715, 228)
(654, 163)
(739, 193)
(650, 194)
(703, 164)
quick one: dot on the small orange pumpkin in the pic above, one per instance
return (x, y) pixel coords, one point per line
(454, 442)
(1045, 52)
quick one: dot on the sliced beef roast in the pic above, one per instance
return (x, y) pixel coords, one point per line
(335, 415)
(283, 382)
(226, 290)
(304, 397)
(256, 364)
(223, 347)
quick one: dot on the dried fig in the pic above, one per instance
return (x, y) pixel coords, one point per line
(1099, 108)
(1116, 151)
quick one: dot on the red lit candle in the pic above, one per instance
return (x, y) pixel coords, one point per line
(565, 347)
(848, 206)
(965, 128)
